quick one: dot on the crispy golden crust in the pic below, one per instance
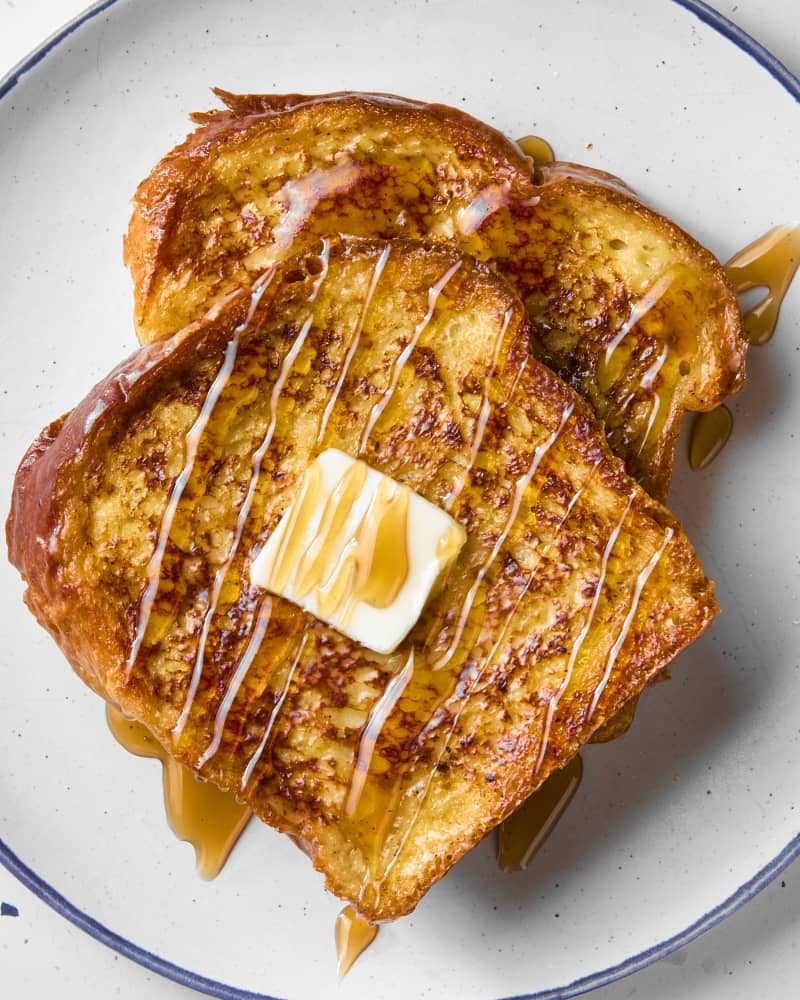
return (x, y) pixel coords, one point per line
(583, 252)
(137, 517)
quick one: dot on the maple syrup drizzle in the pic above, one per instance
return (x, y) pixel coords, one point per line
(655, 406)
(94, 415)
(377, 717)
(301, 197)
(449, 545)
(652, 372)
(539, 149)
(263, 616)
(258, 456)
(354, 341)
(353, 935)
(555, 700)
(520, 487)
(289, 539)
(474, 674)
(771, 262)
(488, 201)
(480, 426)
(433, 295)
(483, 413)
(521, 369)
(198, 812)
(192, 440)
(244, 511)
(368, 745)
(521, 835)
(710, 433)
(636, 597)
(395, 687)
(276, 710)
(646, 383)
(586, 175)
(640, 308)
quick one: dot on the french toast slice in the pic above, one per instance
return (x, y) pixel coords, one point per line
(624, 305)
(135, 520)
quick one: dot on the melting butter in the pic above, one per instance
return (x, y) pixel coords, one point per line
(353, 936)
(358, 550)
(197, 811)
(320, 553)
(521, 835)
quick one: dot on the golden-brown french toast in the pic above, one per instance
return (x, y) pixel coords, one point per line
(624, 305)
(136, 518)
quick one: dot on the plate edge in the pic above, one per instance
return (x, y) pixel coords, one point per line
(148, 959)
(745, 42)
(635, 963)
(10, 79)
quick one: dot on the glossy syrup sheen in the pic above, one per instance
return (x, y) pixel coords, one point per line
(710, 433)
(644, 380)
(212, 851)
(213, 396)
(197, 811)
(377, 718)
(770, 262)
(521, 835)
(405, 354)
(353, 936)
(537, 148)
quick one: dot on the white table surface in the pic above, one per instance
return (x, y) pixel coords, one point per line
(754, 954)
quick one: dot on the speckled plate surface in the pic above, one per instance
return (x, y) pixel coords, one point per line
(676, 823)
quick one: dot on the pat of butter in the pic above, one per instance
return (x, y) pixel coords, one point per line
(358, 550)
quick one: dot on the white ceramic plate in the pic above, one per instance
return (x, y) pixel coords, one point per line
(674, 825)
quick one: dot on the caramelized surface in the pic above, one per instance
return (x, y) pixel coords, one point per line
(624, 305)
(135, 519)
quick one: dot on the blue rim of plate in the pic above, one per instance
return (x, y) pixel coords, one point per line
(214, 988)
